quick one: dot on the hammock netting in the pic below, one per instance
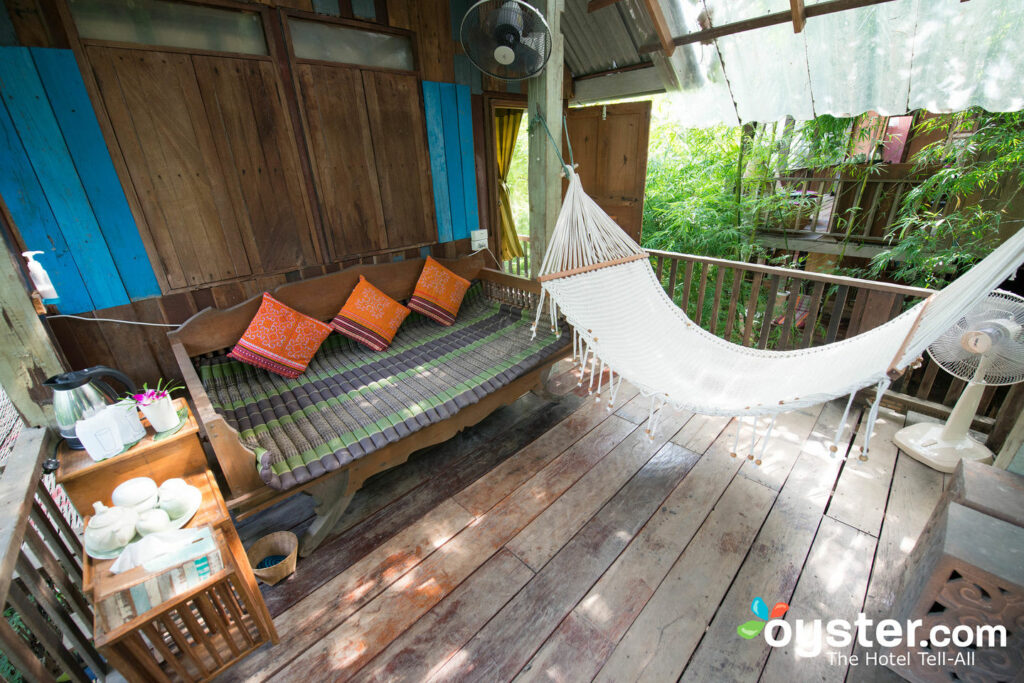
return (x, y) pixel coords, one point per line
(602, 282)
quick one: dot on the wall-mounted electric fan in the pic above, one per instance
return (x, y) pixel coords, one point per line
(984, 348)
(506, 39)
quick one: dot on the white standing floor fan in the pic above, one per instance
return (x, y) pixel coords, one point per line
(984, 348)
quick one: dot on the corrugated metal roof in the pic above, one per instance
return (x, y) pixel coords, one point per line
(603, 40)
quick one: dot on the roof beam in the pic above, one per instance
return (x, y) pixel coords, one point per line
(660, 26)
(773, 19)
(799, 15)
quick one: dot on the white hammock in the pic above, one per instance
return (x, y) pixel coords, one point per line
(602, 281)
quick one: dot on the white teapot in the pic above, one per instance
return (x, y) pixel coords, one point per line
(110, 528)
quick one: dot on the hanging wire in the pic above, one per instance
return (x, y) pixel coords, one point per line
(568, 142)
(558, 152)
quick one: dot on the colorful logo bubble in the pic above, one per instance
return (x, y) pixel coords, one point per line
(759, 607)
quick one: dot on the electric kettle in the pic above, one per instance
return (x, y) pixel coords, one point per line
(76, 396)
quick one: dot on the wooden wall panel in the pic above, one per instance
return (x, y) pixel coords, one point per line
(156, 110)
(342, 151)
(432, 22)
(403, 168)
(257, 146)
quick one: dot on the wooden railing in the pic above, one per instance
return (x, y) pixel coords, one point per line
(858, 205)
(46, 629)
(779, 308)
(519, 266)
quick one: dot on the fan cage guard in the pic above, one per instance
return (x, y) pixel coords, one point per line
(477, 35)
(1004, 363)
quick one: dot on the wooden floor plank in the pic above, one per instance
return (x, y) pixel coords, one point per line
(660, 641)
(863, 487)
(424, 648)
(785, 444)
(511, 638)
(483, 494)
(916, 490)
(480, 451)
(366, 633)
(574, 652)
(832, 585)
(700, 432)
(621, 593)
(318, 613)
(777, 555)
(545, 535)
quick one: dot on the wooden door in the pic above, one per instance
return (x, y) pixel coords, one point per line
(394, 103)
(609, 142)
(212, 157)
(341, 147)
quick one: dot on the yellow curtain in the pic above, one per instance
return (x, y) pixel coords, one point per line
(506, 129)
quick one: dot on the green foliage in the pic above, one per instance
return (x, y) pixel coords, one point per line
(690, 201)
(518, 183)
(953, 219)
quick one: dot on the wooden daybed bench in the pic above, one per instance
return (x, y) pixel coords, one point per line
(355, 413)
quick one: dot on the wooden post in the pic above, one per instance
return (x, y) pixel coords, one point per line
(799, 15)
(545, 100)
(29, 356)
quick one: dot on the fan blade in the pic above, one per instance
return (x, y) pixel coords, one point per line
(528, 59)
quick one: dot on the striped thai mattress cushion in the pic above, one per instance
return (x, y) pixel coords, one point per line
(352, 401)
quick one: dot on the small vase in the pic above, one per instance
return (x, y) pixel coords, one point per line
(161, 414)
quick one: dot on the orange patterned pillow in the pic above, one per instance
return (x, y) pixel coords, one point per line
(370, 316)
(280, 339)
(438, 293)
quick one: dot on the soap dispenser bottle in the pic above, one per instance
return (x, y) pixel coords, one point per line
(40, 278)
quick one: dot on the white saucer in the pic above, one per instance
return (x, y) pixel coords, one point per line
(110, 554)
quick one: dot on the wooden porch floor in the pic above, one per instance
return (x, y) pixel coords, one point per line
(554, 541)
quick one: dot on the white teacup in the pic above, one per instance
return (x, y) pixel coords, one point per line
(174, 503)
(152, 521)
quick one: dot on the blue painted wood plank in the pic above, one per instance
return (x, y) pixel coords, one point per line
(468, 158)
(70, 103)
(29, 109)
(438, 165)
(453, 155)
(27, 204)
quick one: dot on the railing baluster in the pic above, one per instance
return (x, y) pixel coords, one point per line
(45, 633)
(687, 281)
(837, 313)
(661, 267)
(44, 597)
(21, 655)
(813, 311)
(705, 274)
(58, 575)
(734, 296)
(787, 321)
(956, 387)
(672, 279)
(65, 555)
(716, 305)
(766, 319)
(748, 324)
(931, 371)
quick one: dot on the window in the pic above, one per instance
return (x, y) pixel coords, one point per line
(336, 43)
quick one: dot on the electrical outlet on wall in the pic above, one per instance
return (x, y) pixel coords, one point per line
(478, 239)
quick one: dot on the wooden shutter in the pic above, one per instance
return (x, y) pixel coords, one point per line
(213, 161)
(610, 145)
(393, 103)
(341, 146)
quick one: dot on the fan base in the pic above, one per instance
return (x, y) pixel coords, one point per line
(922, 442)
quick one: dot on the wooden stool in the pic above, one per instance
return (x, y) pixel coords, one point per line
(967, 571)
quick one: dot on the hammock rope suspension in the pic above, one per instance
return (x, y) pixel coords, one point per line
(602, 282)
